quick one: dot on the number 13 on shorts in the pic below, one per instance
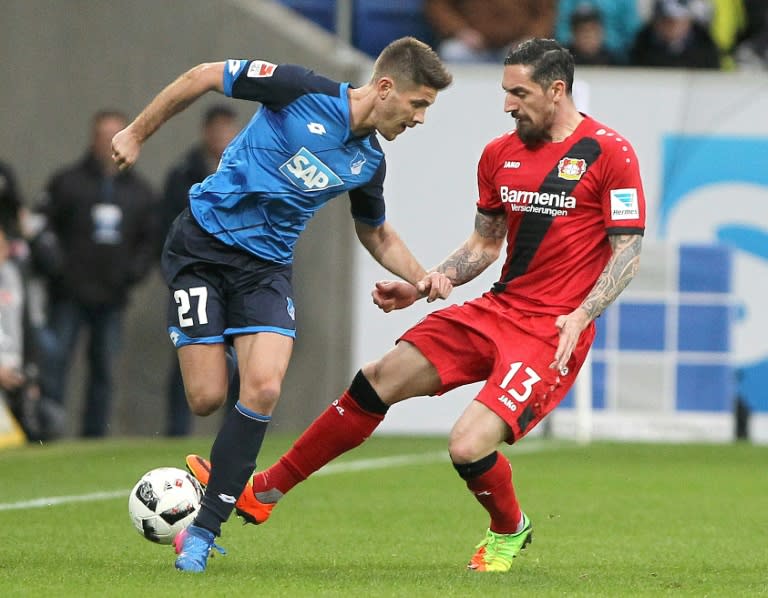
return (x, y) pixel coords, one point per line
(518, 383)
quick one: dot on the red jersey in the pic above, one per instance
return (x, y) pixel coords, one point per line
(562, 200)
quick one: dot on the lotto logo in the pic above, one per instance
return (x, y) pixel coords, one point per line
(308, 173)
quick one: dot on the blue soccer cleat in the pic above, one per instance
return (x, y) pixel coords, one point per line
(193, 545)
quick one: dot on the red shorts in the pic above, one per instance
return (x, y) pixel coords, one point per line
(484, 339)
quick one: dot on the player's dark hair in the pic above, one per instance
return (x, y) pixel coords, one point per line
(412, 62)
(550, 61)
(105, 113)
(218, 111)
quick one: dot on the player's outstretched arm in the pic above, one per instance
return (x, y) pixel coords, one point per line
(198, 80)
(620, 269)
(479, 251)
(387, 248)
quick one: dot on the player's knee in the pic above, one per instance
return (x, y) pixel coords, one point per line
(466, 448)
(204, 403)
(261, 397)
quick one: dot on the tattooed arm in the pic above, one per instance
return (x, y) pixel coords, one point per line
(478, 252)
(620, 269)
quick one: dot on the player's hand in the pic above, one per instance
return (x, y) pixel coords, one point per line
(125, 149)
(434, 285)
(570, 327)
(10, 378)
(394, 294)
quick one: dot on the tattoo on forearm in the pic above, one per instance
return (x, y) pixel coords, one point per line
(620, 269)
(464, 264)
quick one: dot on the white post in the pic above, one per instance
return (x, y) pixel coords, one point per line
(344, 21)
(583, 401)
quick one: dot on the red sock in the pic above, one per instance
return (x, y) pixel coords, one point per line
(493, 489)
(341, 427)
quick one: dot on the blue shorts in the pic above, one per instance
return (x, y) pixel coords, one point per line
(218, 291)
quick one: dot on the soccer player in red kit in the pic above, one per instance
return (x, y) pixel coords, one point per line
(565, 193)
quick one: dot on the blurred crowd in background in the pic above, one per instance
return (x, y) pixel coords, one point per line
(70, 258)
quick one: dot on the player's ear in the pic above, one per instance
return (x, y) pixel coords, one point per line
(383, 86)
(557, 89)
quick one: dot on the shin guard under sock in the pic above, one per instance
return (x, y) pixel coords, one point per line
(490, 480)
(345, 424)
(233, 459)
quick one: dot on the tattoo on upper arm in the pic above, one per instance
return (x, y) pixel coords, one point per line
(620, 269)
(491, 226)
(466, 263)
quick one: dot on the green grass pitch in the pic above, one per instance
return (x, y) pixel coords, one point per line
(609, 520)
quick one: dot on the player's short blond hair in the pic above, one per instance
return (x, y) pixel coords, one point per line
(411, 62)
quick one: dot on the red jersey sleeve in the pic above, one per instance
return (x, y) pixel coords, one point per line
(489, 200)
(622, 196)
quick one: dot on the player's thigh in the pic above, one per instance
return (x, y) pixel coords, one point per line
(262, 359)
(204, 371)
(402, 372)
(522, 389)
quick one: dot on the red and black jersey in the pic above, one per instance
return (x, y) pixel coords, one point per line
(562, 200)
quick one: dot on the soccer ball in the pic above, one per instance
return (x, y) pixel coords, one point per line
(163, 502)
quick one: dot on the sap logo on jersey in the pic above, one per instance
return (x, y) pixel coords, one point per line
(308, 173)
(624, 204)
(261, 68)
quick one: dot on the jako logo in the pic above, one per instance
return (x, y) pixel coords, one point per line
(308, 173)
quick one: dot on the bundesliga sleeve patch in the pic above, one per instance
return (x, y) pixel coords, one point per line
(261, 68)
(624, 205)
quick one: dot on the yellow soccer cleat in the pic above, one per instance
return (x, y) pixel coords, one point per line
(497, 551)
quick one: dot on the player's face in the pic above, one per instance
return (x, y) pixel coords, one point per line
(532, 107)
(402, 108)
(101, 138)
(218, 133)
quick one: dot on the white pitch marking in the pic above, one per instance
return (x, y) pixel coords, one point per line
(330, 469)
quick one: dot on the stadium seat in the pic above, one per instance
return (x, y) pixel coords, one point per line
(376, 23)
(321, 12)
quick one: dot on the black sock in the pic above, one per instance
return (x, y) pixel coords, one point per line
(233, 459)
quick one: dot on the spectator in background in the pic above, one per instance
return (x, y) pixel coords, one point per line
(752, 50)
(727, 22)
(621, 21)
(674, 38)
(587, 38)
(10, 201)
(483, 30)
(38, 416)
(20, 336)
(219, 127)
(104, 224)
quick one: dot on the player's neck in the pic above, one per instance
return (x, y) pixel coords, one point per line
(566, 123)
(361, 103)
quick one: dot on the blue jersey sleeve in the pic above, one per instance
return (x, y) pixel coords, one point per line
(275, 86)
(367, 202)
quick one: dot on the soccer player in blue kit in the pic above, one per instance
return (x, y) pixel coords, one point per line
(227, 258)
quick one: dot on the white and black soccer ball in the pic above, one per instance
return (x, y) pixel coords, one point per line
(163, 502)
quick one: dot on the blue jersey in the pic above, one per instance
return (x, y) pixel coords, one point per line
(295, 154)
